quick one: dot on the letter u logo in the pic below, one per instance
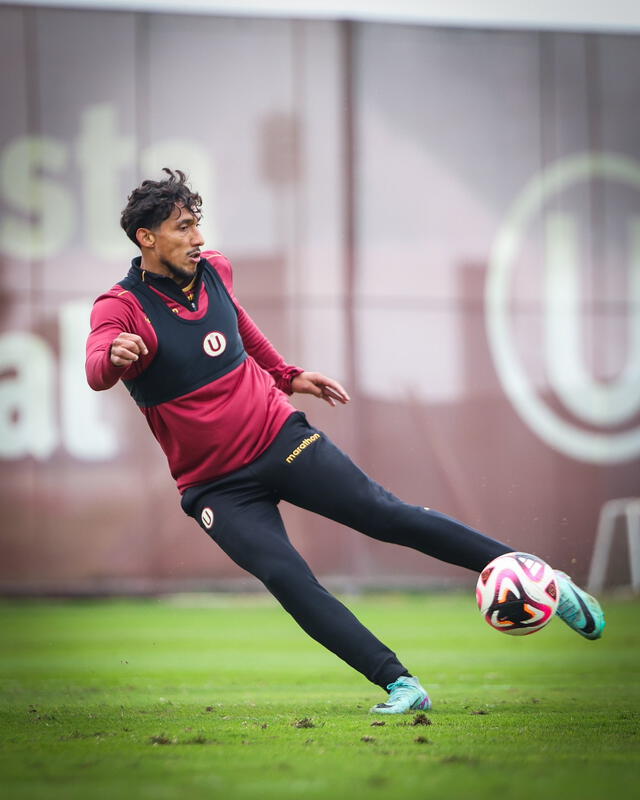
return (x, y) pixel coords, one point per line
(598, 420)
(593, 401)
(214, 344)
(207, 518)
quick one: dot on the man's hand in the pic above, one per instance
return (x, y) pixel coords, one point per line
(127, 348)
(319, 385)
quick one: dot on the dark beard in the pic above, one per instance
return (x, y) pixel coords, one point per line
(180, 276)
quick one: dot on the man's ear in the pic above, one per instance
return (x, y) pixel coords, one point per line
(145, 237)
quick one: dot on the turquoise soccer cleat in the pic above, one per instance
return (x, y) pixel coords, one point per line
(579, 610)
(405, 694)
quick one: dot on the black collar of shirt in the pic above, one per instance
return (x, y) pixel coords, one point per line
(167, 285)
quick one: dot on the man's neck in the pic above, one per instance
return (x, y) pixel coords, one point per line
(154, 267)
(158, 270)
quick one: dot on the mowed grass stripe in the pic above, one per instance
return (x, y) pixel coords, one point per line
(156, 699)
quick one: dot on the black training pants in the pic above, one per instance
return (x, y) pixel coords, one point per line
(303, 467)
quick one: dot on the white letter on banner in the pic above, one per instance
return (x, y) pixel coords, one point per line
(101, 154)
(27, 419)
(34, 195)
(194, 160)
(591, 400)
(85, 435)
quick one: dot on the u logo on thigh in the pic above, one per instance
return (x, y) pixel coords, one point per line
(207, 518)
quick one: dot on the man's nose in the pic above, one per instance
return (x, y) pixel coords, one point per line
(197, 240)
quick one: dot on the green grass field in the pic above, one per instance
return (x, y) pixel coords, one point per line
(225, 697)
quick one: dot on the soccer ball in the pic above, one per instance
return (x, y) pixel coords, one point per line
(517, 593)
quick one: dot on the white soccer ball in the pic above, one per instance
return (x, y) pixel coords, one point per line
(517, 593)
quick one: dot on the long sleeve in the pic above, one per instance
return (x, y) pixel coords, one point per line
(255, 342)
(112, 315)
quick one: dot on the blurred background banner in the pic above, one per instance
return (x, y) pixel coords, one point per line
(445, 219)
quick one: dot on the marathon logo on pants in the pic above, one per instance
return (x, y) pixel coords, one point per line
(303, 444)
(207, 518)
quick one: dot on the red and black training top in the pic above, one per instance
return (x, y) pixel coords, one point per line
(212, 386)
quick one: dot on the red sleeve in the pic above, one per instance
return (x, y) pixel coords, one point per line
(113, 313)
(255, 342)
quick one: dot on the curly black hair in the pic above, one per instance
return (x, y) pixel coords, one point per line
(154, 201)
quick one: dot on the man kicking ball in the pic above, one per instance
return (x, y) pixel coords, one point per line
(214, 392)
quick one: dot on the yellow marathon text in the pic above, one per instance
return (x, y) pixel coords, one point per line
(304, 443)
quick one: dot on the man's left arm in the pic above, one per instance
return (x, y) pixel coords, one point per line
(287, 377)
(264, 353)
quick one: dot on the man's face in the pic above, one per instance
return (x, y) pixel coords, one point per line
(177, 243)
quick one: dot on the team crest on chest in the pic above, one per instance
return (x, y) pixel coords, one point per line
(214, 344)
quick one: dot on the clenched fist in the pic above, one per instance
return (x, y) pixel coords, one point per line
(127, 348)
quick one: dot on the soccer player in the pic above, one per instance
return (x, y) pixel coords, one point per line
(215, 392)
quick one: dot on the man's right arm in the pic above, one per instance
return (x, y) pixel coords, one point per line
(115, 348)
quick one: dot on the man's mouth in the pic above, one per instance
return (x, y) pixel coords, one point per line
(194, 256)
